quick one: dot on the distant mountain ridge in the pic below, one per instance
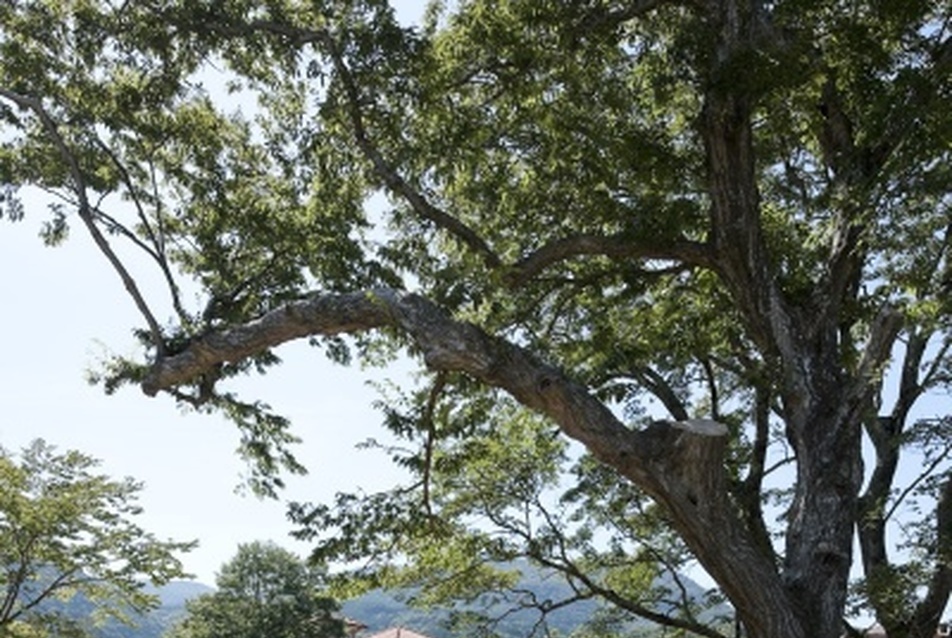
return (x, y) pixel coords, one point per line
(178, 592)
(381, 609)
(172, 598)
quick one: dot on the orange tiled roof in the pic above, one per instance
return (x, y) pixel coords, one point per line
(397, 632)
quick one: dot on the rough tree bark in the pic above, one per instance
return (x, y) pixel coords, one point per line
(823, 406)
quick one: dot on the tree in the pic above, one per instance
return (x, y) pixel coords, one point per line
(736, 211)
(23, 630)
(66, 531)
(263, 591)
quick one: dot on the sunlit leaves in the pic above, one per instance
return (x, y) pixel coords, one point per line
(66, 530)
(261, 151)
(263, 590)
(11, 206)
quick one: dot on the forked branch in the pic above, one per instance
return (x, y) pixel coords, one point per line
(85, 209)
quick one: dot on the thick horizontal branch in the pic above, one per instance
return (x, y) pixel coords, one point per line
(316, 315)
(446, 344)
(613, 246)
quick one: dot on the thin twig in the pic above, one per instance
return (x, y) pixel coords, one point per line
(428, 422)
(918, 480)
(157, 250)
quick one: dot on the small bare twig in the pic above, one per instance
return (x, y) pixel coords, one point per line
(157, 250)
(926, 473)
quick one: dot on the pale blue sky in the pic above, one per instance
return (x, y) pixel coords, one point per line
(63, 308)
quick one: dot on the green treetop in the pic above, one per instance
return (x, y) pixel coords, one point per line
(263, 590)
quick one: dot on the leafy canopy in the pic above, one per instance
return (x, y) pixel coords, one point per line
(616, 220)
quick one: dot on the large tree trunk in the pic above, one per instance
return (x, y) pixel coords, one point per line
(826, 439)
(823, 406)
(688, 467)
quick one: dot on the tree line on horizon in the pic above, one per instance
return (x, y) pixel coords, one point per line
(64, 529)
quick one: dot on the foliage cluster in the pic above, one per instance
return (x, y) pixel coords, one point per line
(263, 590)
(68, 532)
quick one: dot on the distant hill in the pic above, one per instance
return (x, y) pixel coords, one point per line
(177, 592)
(381, 609)
(172, 597)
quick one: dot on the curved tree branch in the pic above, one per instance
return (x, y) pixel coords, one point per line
(749, 490)
(885, 433)
(391, 177)
(631, 606)
(297, 35)
(445, 344)
(680, 464)
(617, 246)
